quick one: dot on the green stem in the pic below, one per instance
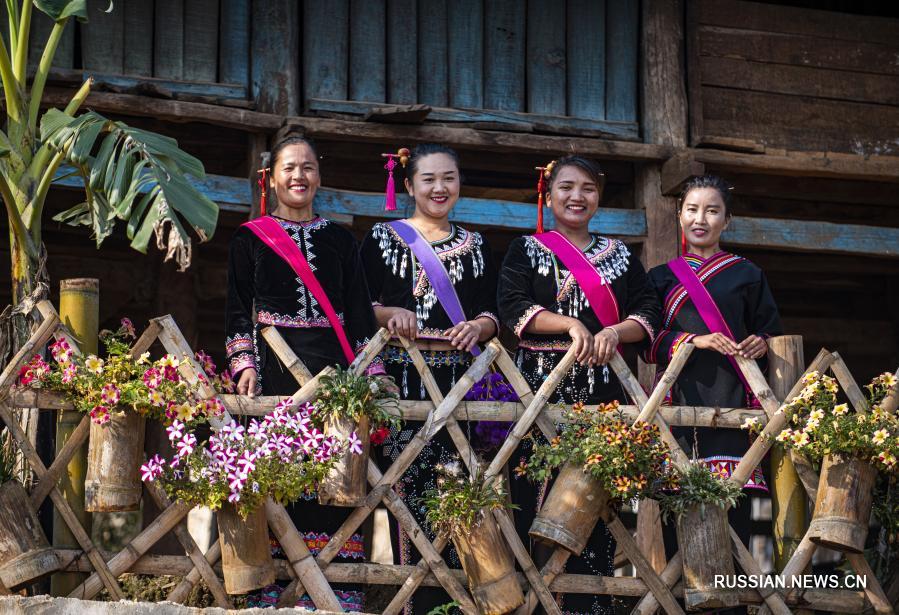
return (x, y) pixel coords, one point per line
(11, 87)
(42, 157)
(35, 208)
(21, 59)
(43, 70)
(12, 13)
(15, 220)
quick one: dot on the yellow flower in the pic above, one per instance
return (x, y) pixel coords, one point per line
(156, 398)
(812, 424)
(889, 379)
(880, 436)
(841, 409)
(887, 459)
(94, 364)
(810, 377)
(184, 412)
(750, 423)
(816, 414)
(785, 435)
(800, 439)
(144, 358)
(169, 361)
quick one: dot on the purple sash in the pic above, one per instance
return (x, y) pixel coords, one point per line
(705, 305)
(270, 232)
(436, 272)
(598, 291)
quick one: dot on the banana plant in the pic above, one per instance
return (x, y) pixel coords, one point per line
(128, 174)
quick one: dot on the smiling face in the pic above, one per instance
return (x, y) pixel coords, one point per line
(294, 176)
(435, 185)
(703, 217)
(573, 197)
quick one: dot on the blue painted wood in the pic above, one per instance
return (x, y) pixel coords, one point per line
(433, 71)
(168, 39)
(275, 59)
(103, 38)
(234, 43)
(217, 90)
(325, 49)
(402, 51)
(587, 59)
(546, 57)
(504, 55)
(234, 194)
(139, 58)
(622, 38)
(368, 49)
(201, 40)
(466, 54)
(517, 121)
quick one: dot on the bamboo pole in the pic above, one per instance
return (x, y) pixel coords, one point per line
(79, 311)
(192, 576)
(291, 361)
(873, 591)
(788, 498)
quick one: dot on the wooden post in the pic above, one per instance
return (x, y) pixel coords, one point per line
(79, 310)
(788, 498)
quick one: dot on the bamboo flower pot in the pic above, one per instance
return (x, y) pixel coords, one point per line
(843, 505)
(489, 567)
(347, 484)
(571, 510)
(703, 537)
(25, 554)
(246, 552)
(112, 482)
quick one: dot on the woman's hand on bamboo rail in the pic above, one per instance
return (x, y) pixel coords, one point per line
(466, 334)
(581, 339)
(717, 342)
(246, 383)
(397, 320)
(605, 343)
(753, 347)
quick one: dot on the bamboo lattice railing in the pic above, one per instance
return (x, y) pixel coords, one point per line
(313, 574)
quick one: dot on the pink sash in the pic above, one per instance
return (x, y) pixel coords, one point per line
(598, 291)
(270, 232)
(705, 305)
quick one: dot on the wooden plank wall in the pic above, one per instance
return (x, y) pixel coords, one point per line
(574, 58)
(204, 41)
(793, 78)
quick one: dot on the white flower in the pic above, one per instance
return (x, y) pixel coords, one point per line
(94, 364)
(144, 358)
(750, 423)
(812, 424)
(841, 409)
(800, 439)
(880, 436)
(817, 414)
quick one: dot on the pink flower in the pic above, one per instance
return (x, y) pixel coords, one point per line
(214, 407)
(206, 363)
(100, 415)
(355, 444)
(186, 445)
(232, 431)
(171, 373)
(110, 394)
(152, 469)
(284, 405)
(127, 327)
(68, 373)
(226, 382)
(175, 430)
(61, 351)
(152, 378)
(246, 463)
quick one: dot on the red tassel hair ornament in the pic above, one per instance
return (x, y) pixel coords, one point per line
(402, 155)
(545, 174)
(263, 187)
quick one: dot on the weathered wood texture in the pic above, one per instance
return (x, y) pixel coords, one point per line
(829, 84)
(114, 454)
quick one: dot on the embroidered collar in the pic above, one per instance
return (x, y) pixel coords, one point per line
(608, 256)
(315, 223)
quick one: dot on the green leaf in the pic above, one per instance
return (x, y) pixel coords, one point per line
(60, 9)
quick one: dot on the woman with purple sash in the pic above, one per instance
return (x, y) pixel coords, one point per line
(302, 274)
(722, 304)
(433, 282)
(571, 287)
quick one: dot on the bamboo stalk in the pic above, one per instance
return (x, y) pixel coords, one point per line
(308, 391)
(62, 506)
(873, 590)
(201, 565)
(850, 386)
(547, 418)
(192, 576)
(300, 558)
(37, 340)
(370, 352)
(46, 310)
(124, 559)
(410, 583)
(649, 604)
(146, 339)
(289, 360)
(773, 599)
(61, 463)
(665, 383)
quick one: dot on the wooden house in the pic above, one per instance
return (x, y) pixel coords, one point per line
(796, 103)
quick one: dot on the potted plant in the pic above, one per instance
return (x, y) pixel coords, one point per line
(349, 407)
(25, 554)
(282, 456)
(119, 392)
(461, 507)
(851, 448)
(699, 503)
(603, 460)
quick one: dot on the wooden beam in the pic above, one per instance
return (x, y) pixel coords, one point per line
(678, 170)
(275, 59)
(664, 98)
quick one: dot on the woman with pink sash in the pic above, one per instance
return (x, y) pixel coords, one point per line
(721, 303)
(431, 281)
(302, 274)
(571, 287)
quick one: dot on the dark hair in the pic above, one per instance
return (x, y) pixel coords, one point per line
(426, 149)
(587, 165)
(288, 135)
(707, 181)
